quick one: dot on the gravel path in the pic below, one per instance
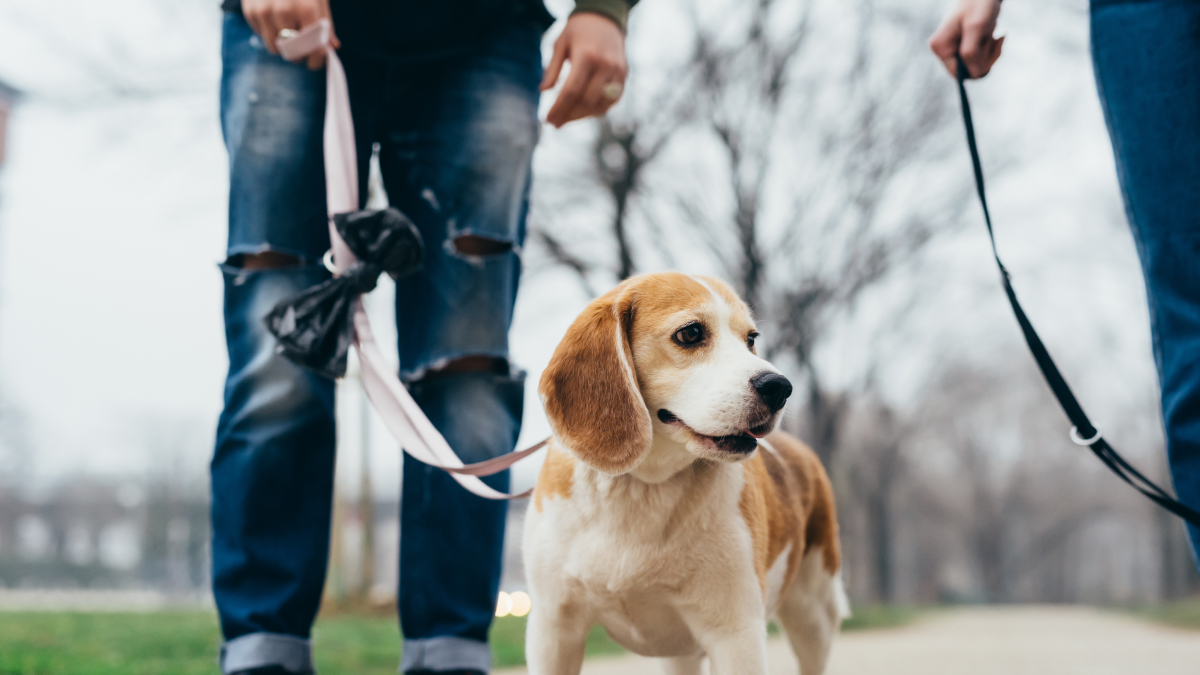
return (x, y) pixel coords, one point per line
(988, 641)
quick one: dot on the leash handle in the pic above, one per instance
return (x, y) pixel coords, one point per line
(400, 413)
(1083, 432)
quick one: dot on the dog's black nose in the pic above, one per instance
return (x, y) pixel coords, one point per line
(773, 388)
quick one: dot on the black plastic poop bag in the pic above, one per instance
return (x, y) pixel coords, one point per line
(314, 327)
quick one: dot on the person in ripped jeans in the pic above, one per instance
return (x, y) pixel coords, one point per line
(1146, 57)
(447, 94)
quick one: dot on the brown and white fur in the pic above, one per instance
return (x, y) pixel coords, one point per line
(666, 511)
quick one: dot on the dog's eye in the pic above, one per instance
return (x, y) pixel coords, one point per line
(690, 334)
(750, 339)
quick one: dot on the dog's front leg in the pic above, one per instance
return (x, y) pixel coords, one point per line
(554, 639)
(729, 622)
(738, 650)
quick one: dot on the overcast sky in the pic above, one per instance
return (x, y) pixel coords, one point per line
(112, 220)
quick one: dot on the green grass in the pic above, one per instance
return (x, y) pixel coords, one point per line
(185, 642)
(870, 617)
(1181, 614)
(351, 644)
(69, 643)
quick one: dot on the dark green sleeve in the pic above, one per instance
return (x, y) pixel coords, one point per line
(617, 10)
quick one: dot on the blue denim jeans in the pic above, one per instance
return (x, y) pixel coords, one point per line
(1147, 60)
(455, 140)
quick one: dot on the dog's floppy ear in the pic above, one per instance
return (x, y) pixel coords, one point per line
(590, 389)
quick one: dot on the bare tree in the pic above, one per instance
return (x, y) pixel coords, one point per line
(808, 208)
(873, 467)
(624, 146)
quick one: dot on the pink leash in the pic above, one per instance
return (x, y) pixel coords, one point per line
(403, 417)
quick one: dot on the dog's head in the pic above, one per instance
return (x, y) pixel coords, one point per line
(665, 354)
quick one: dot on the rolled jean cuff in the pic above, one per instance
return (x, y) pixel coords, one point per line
(256, 650)
(446, 653)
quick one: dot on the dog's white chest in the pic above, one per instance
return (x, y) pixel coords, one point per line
(638, 564)
(636, 594)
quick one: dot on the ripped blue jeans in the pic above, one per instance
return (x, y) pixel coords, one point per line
(455, 139)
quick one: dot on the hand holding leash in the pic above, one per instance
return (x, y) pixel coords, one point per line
(967, 32)
(274, 21)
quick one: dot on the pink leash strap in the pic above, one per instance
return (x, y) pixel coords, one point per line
(400, 413)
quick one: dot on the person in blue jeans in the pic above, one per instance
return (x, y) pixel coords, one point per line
(447, 94)
(1146, 55)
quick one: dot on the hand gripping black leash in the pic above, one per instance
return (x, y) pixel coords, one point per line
(1083, 433)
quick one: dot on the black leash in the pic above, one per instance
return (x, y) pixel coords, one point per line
(1084, 432)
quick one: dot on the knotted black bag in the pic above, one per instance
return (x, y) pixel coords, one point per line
(314, 327)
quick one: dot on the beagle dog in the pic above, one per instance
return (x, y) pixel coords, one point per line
(667, 511)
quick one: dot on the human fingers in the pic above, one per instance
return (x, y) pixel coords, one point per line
(296, 15)
(608, 80)
(309, 14)
(259, 14)
(323, 13)
(978, 46)
(303, 13)
(316, 60)
(603, 91)
(596, 50)
(978, 54)
(571, 96)
(988, 54)
(945, 40)
(554, 69)
(270, 34)
(591, 101)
